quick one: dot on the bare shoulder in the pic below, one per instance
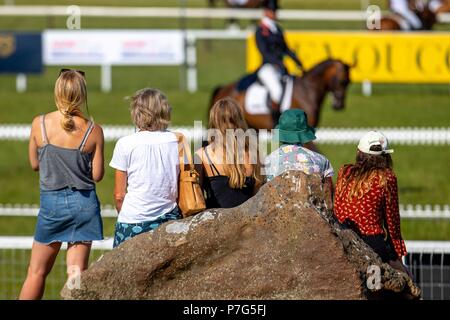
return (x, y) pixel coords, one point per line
(200, 154)
(36, 121)
(36, 124)
(97, 131)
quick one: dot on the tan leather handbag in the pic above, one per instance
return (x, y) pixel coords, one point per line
(190, 194)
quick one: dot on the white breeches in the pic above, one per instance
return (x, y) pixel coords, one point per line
(435, 5)
(401, 7)
(271, 79)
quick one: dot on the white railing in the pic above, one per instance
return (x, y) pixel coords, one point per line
(190, 13)
(25, 243)
(108, 211)
(401, 136)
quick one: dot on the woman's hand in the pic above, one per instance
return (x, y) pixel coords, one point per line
(120, 189)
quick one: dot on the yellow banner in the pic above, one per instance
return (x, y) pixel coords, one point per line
(377, 56)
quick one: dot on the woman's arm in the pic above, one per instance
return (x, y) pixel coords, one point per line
(32, 145)
(120, 189)
(98, 165)
(393, 215)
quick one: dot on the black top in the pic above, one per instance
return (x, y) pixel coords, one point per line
(273, 47)
(219, 194)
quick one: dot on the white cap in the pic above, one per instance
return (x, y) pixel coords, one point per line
(374, 138)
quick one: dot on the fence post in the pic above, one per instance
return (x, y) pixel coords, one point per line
(21, 82)
(191, 60)
(367, 88)
(106, 74)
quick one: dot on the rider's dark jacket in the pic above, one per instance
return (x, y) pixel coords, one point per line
(273, 48)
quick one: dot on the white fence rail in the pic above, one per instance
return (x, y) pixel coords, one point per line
(25, 242)
(406, 211)
(191, 13)
(401, 136)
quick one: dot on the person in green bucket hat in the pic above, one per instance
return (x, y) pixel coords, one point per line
(294, 129)
(295, 151)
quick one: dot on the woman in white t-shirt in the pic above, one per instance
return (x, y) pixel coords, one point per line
(147, 168)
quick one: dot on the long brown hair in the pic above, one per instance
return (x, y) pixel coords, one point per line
(70, 96)
(358, 178)
(227, 115)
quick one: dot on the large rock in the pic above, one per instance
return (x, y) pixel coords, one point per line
(282, 244)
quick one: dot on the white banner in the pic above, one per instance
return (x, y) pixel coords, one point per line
(113, 47)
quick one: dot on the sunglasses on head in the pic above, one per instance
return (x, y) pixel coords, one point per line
(67, 70)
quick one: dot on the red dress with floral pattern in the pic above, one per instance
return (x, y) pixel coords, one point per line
(369, 213)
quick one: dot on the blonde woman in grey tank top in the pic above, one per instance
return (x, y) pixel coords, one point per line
(67, 150)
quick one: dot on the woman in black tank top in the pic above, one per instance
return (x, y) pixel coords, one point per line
(219, 194)
(226, 185)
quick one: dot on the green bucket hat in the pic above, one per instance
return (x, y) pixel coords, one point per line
(293, 127)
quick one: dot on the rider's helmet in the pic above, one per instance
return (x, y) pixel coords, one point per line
(271, 5)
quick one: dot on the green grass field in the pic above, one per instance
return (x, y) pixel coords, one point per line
(423, 171)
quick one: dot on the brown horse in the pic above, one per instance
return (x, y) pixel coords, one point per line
(425, 14)
(445, 7)
(308, 94)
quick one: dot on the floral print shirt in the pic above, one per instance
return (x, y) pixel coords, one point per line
(295, 157)
(377, 207)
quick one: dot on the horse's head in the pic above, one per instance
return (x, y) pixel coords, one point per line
(338, 79)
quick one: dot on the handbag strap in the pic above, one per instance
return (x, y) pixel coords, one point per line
(184, 151)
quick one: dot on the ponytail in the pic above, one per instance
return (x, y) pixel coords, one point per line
(70, 95)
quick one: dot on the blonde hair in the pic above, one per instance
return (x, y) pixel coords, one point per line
(225, 115)
(70, 95)
(150, 110)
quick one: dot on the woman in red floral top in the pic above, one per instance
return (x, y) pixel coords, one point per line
(367, 199)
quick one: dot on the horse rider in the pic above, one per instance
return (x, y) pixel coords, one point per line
(272, 46)
(402, 8)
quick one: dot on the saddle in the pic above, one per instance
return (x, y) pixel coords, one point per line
(257, 98)
(246, 81)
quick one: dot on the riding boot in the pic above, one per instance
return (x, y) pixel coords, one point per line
(276, 112)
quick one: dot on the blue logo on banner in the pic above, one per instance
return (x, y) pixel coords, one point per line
(20, 52)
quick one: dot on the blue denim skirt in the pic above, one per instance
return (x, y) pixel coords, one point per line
(125, 231)
(68, 215)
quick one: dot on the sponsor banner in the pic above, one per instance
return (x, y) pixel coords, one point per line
(115, 47)
(20, 52)
(377, 56)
